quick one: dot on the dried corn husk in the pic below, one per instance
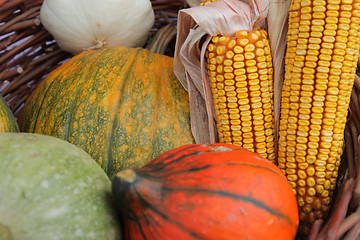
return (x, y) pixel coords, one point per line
(196, 26)
(277, 22)
(159, 43)
(193, 3)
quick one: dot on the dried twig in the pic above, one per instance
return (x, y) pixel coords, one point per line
(22, 59)
(38, 37)
(329, 232)
(24, 24)
(10, 73)
(7, 41)
(33, 3)
(349, 152)
(4, 27)
(356, 193)
(357, 82)
(2, 2)
(315, 230)
(353, 233)
(355, 99)
(29, 74)
(57, 51)
(355, 134)
(348, 223)
(355, 107)
(10, 4)
(18, 36)
(5, 15)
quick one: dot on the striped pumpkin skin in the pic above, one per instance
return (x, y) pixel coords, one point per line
(123, 106)
(213, 191)
(7, 119)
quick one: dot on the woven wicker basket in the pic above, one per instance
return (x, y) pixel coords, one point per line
(28, 53)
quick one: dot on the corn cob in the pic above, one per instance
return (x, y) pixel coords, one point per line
(320, 63)
(241, 78)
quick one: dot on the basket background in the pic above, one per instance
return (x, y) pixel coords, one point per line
(28, 53)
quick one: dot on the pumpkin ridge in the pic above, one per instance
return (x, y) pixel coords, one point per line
(233, 164)
(137, 196)
(137, 220)
(204, 167)
(243, 198)
(155, 116)
(36, 114)
(163, 216)
(44, 89)
(129, 212)
(76, 96)
(114, 115)
(133, 216)
(260, 167)
(172, 156)
(48, 91)
(160, 164)
(158, 167)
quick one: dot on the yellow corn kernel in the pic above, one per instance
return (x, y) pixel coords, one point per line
(320, 64)
(242, 68)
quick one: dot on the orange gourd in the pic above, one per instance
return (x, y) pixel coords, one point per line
(123, 106)
(206, 191)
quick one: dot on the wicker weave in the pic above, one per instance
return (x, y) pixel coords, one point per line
(28, 53)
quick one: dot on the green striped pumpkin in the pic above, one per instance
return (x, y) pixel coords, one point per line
(7, 119)
(123, 106)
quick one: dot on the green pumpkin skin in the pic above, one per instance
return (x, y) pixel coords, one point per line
(123, 106)
(52, 190)
(7, 119)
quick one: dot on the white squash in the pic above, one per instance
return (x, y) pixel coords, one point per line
(79, 25)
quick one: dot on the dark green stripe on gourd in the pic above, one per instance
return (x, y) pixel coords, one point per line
(124, 106)
(7, 119)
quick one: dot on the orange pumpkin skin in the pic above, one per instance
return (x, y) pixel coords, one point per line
(212, 191)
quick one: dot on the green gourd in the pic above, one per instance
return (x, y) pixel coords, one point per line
(52, 190)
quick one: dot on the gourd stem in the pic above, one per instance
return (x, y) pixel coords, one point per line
(123, 188)
(5, 233)
(127, 175)
(98, 43)
(130, 187)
